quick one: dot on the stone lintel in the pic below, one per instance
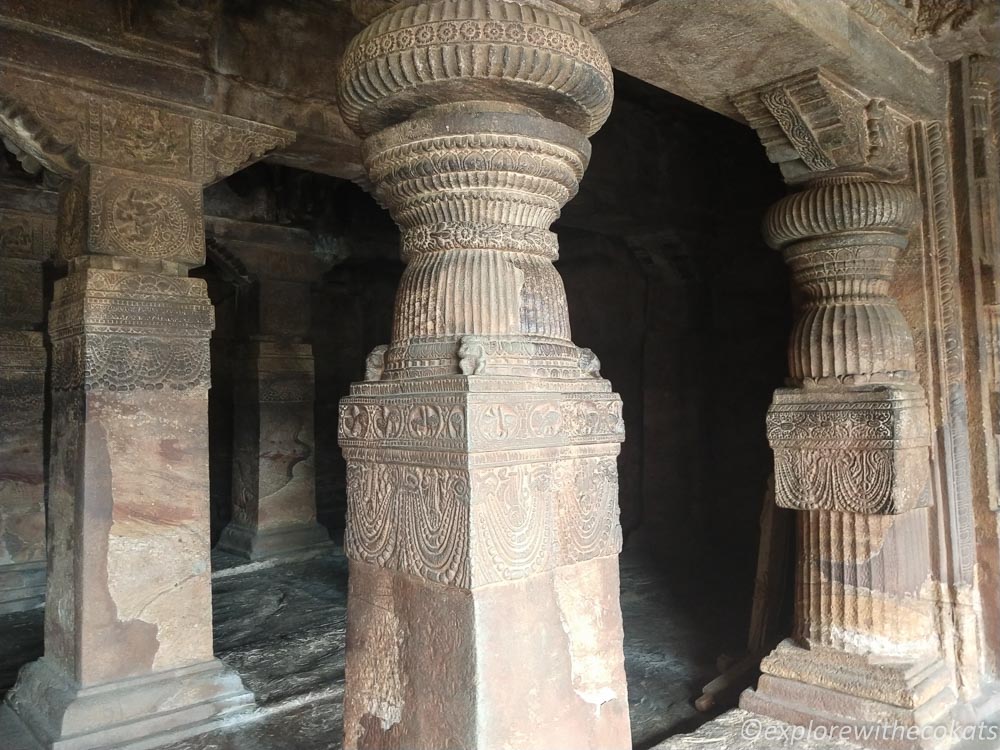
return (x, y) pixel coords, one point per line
(32, 201)
(709, 51)
(324, 143)
(256, 233)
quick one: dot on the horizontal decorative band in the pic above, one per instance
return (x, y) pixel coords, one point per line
(117, 362)
(488, 525)
(457, 423)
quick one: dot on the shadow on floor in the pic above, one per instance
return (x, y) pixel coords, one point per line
(283, 629)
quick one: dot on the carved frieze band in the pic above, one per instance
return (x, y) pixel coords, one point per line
(23, 360)
(493, 524)
(461, 422)
(22, 351)
(27, 236)
(121, 330)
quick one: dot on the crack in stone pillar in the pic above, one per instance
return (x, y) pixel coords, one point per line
(851, 433)
(274, 490)
(482, 484)
(26, 242)
(128, 622)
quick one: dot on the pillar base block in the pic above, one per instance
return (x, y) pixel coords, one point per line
(22, 586)
(134, 713)
(263, 544)
(533, 663)
(827, 687)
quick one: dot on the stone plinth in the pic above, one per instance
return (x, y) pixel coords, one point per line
(274, 491)
(128, 489)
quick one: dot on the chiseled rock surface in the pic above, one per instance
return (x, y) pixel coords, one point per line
(282, 628)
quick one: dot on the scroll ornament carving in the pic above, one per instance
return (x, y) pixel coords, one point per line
(118, 331)
(124, 362)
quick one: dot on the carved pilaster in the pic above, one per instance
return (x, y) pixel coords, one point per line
(851, 433)
(482, 482)
(128, 472)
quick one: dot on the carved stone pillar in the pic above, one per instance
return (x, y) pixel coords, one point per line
(482, 524)
(274, 489)
(26, 242)
(128, 627)
(851, 433)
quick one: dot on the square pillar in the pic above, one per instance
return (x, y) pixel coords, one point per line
(23, 362)
(482, 485)
(274, 489)
(851, 433)
(274, 486)
(128, 622)
(26, 243)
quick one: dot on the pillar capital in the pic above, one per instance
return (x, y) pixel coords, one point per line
(813, 124)
(65, 128)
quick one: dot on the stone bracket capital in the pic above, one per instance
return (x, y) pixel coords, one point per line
(812, 124)
(67, 127)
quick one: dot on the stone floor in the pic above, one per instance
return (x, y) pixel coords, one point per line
(282, 629)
